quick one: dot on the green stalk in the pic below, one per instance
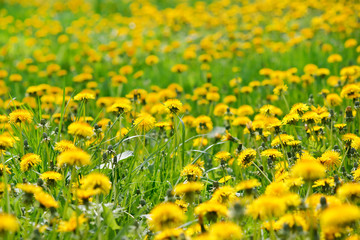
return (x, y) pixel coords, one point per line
(6, 193)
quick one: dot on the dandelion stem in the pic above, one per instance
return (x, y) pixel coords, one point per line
(6, 192)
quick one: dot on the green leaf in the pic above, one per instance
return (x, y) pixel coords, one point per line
(109, 218)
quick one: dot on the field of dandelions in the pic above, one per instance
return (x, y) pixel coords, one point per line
(179, 119)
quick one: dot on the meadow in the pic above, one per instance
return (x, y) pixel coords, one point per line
(179, 119)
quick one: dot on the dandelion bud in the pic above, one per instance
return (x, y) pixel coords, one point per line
(169, 195)
(239, 148)
(311, 99)
(332, 114)
(357, 105)
(142, 202)
(349, 114)
(43, 122)
(337, 180)
(40, 182)
(286, 229)
(237, 211)
(44, 135)
(182, 236)
(343, 170)
(26, 144)
(323, 203)
(208, 77)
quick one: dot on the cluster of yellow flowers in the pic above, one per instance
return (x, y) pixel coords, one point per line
(232, 119)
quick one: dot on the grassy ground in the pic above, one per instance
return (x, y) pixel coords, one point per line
(247, 76)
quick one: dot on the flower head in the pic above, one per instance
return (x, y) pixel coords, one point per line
(246, 157)
(144, 122)
(20, 116)
(64, 145)
(6, 141)
(203, 124)
(173, 106)
(8, 223)
(51, 176)
(165, 216)
(192, 172)
(330, 159)
(97, 181)
(308, 170)
(29, 160)
(75, 157)
(226, 231)
(46, 200)
(71, 224)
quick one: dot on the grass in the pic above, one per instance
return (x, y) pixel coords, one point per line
(145, 165)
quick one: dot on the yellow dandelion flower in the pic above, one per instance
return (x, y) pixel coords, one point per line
(75, 157)
(64, 145)
(191, 172)
(7, 169)
(271, 153)
(29, 188)
(222, 156)
(226, 231)
(173, 233)
(278, 90)
(173, 106)
(324, 182)
(339, 216)
(165, 216)
(72, 223)
(84, 96)
(51, 176)
(203, 124)
(188, 187)
(97, 181)
(20, 116)
(299, 108)
(349, 191)
(120, 107)
(200, 141)
(6, 141)
(246, 157)
(29, 160)
(210, 209)
(224, 195)
(308, 170)
(282, 139)
(80, 129)
(46, 200)
(247, 184)
(356, 174)
(144, 122)
(266, 207)
(330, 159)
(8, 223)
